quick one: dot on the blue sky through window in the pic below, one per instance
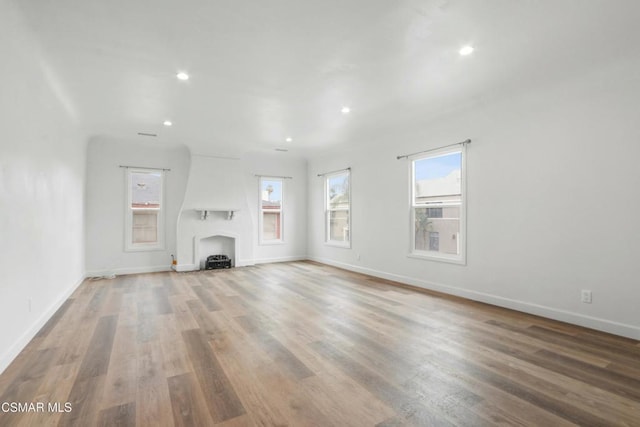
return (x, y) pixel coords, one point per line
(276, 194)
(339, 184)
(437, 167)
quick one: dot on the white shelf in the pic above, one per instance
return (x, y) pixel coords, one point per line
(204, 212)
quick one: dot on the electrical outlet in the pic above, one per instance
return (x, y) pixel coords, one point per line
(358, 257)
(586, 296)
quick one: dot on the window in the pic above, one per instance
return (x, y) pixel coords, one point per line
(144, 214)
(270, 210)
(437, 210)
(338, 209)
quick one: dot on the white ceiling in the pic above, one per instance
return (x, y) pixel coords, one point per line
(264, 70)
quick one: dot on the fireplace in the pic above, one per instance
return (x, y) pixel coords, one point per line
(214, 220)
(217, 244)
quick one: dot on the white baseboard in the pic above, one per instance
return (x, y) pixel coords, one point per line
(245, 262)
(600, 324)
(281, 259)
(13, 351)
(182, 268)
(129, 270)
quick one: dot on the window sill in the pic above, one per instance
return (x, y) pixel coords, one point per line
(450, 260)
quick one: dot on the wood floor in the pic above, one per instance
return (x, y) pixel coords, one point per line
(302, 344)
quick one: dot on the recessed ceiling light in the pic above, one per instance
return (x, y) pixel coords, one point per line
(182, 76)
(289, 139)
(167, 123)
(345, 110)
(466, 50)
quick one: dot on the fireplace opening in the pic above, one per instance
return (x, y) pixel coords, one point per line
(216, 250)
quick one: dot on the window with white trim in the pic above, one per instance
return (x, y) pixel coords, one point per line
(338, 209)
(271, 203)
(144, 216)
(438, 205)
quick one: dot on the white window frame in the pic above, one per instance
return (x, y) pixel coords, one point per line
(129, 246)
(327, 212)
(461, 257)
(261, 239)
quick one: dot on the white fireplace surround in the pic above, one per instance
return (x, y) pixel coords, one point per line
(196, 246)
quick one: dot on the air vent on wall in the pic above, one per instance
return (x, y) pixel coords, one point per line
(282, 149)
(147, 134)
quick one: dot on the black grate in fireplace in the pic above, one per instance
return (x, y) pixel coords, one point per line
(217, 261)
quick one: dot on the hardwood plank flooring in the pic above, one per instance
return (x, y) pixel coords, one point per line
(305, 344)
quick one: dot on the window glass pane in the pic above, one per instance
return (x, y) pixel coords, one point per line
(438, 178)
(439, 233)
(146, 189)
(271, 209)
(271, 226)
(145, 226)
(339, 225)
(338, 191)
(271, 194)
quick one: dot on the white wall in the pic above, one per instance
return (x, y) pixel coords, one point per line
(42, 158)
(106, 201)
(553, 201)
(231, 183)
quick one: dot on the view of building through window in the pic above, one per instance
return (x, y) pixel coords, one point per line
(145, 206)
(437, 200)
(271, 209)
(338, 208)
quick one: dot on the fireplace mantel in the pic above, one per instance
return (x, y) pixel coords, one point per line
(204, 212)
